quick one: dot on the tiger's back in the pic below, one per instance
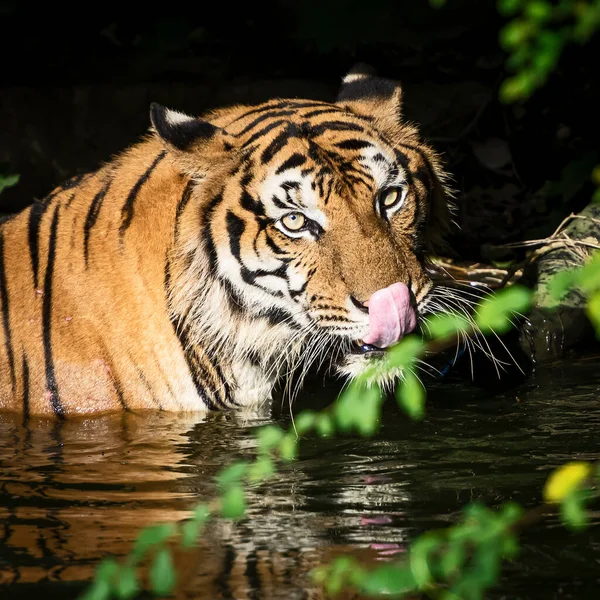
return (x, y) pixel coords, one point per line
(79, 319)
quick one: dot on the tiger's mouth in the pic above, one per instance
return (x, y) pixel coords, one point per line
(359, 348)
(391, 317)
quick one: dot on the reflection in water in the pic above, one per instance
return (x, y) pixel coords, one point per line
(73, 492)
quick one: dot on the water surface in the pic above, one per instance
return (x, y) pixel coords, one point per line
(74, 492)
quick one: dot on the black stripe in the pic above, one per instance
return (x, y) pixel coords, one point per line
(264, 117)
(25, 388)
(70, 200)
(116, 383)
(6, 315)
(354, 144)
(281, 104)
(36, 213)
(322, 111)
(223, 581)
(235, 230)
(251, 572)
(277, 144)
(226, 389)
(192, 360)
(51, 384)
(295, 160)
(119, 391)
(262, 132)
(209, 245)
(92, 217)
(185, 198)
(253, 205)
(127, 211)
(321, 128)
(143, 379)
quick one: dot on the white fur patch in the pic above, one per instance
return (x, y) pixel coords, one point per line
(174, 117)
(382, 171)
(304, 199)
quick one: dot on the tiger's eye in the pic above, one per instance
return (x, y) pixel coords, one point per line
(390, 198)
(294, 221)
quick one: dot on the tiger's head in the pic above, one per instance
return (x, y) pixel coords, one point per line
(313, 218)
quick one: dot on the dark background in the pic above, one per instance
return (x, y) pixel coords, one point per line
(77, 81)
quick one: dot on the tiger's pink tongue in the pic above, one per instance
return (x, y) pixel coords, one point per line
(391, 316)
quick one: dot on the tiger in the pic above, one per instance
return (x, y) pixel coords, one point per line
(206, 263)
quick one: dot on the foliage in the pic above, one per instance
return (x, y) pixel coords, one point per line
(536, 36)
(7, 181)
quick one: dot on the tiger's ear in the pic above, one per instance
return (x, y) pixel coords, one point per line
(196, 145)
(371, 96)
(179, 130)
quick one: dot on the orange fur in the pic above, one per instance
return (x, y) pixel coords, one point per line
(133, 299)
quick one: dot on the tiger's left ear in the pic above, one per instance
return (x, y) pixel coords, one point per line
(371, 96)
(197, 145)
(179, 130)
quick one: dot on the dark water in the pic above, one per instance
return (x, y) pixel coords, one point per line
(73, 492)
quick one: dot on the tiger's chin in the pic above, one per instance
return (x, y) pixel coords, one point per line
(372, 362)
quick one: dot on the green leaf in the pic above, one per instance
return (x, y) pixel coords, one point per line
(288, 447)
(419, 558)
(390, 580)
(589, 275)
(518, 87)
(511, 512)
(233, 474)
(7, 181)
(152, 536)
(191, 529)
(404, 353)
(99, 590)
(452, 559)
(515, 33)
(561, 283)
(441, 326)
(367, 423)
(268, 437)
(486, 563)
(304, 421)
(233, 503)
(162, 573)
(593, 312)
(127, 585)
(107, 569)
(509, 7)
(538, 11)
(495, 313)
(510, 546)
(411, 396)
(347, 408)
(262, 468)
(573, 511)
(324, 425)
